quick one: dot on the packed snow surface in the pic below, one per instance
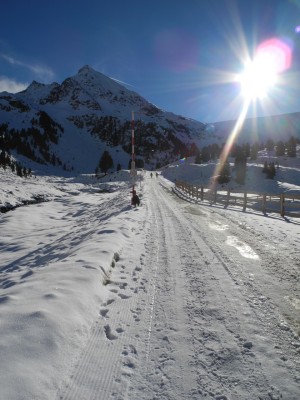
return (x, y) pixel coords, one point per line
(169, 300)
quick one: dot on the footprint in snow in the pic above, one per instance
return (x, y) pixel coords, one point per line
(129, 349)
(109, 334)
(104, 312)
(123, 296)
(108, 302)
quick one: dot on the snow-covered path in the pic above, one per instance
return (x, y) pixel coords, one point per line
(202, 316)
(219, 319)
(174, 300)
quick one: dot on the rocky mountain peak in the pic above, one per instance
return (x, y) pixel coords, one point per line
(89, 78)
(87, 113)
(86, 69)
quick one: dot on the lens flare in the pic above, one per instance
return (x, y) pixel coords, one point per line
(176, 50)
(258, 77)
(232, 137)
(275, 53)
(271, 58)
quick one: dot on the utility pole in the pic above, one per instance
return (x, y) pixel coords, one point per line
(132, 170)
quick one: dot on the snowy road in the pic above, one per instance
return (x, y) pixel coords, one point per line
(220, 318)
(201, 313)
(194, 302)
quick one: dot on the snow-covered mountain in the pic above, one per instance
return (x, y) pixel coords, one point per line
(70, 125)
(75, 121)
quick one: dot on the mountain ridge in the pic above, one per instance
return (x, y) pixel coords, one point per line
(95, 114)
(89, 113)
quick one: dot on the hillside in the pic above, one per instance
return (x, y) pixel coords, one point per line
(275, 127)
(16, 191)
(70, 124)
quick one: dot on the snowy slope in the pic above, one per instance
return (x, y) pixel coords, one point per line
(92, 108)
(16, 191)
(286, 180)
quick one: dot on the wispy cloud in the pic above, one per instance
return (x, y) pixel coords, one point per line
(40, 71)
(11, 86)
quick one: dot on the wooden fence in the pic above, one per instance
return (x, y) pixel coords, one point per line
(283, 203)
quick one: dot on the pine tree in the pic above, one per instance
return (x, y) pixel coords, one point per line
(240, 167)
(280, 148)
(254, 151)
(205, 154)
(270, 144)
(265, 168)
(198, 159)
(106, 162)
(224, 174)
(2, 158)
(291, 147)
(19, 170)
(271, 171)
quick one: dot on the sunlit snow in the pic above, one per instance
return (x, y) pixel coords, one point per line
(169, 300)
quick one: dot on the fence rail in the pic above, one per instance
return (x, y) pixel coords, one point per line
(285, 204)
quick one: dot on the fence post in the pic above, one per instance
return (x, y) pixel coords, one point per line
(282, 204)
(193, 191)
(264, 203)
(245, 201)
(228, 198)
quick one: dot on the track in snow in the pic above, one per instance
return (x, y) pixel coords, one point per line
(186, 321)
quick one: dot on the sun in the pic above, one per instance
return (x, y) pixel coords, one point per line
(258, 78)
(260, 75)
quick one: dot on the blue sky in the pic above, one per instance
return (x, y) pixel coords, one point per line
(181, 55)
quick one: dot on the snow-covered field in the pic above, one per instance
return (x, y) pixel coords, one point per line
(170, 300)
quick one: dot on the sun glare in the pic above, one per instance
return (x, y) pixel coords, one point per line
(257, 79)
(260, 75)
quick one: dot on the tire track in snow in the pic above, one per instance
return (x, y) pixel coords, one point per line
(259, 296)
(240, 320)
(196, 346)
(153, 288)
(261, 313)
(163, 374)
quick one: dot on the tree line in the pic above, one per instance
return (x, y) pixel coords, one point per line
(6, 161)
(241, 153)
(33, 142)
